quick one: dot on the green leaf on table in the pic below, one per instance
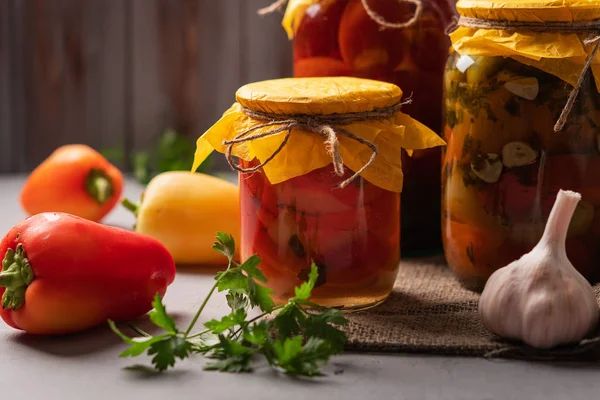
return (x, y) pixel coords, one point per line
(137, 345)
(237, 317)
(167, 350)
(225, 244)
(242, 363)
(237, 301)
(298, 359)
(233, 280)
(250, 266)
(323, 326)
(289, 321)
(257, 333)
(260, 296)
(160, 317)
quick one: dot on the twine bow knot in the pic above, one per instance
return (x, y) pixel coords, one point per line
(326, 126)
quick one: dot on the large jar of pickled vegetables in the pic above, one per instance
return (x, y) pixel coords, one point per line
(398, 41)
(522, 121)
(320, 182)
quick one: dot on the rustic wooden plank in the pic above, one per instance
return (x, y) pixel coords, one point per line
(221, 65)
(267, 51)
(147, 102)
(5, 104)
(74, 55)
(17, 84)
(105, 22)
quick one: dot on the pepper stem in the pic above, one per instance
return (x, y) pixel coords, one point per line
(131, 206)
(16, 276)
(99, 185)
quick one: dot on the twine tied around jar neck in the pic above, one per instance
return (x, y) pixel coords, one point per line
(326, 126)
(590, 27)
(378, 18)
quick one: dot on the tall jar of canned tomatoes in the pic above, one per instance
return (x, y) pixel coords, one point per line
(522, 118)
(320, 178)
(397, 41)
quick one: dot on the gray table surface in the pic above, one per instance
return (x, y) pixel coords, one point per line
(86, 366)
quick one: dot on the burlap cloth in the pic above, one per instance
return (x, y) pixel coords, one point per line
(429, 312)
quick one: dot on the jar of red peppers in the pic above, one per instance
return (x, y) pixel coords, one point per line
(513, 140)
(320, 182)
(398, 41)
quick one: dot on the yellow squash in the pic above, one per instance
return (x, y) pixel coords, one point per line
(184, 211)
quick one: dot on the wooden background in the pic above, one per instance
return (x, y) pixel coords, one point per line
(112, 73)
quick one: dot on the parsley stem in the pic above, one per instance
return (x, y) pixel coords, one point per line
(138, 330)
(257, 318)
(193, 323)
(189, 329)
(199, 334)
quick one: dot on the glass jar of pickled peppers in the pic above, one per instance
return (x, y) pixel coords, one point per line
(340, 38)
(320, 182)
(506, 156)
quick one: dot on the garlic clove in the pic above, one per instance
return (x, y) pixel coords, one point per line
(518, 154)
(527, 88)
(541, 298)
(582, 219)
(487, 167)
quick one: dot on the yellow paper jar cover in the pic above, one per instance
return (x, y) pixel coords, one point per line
(560, 54)
(305, 151)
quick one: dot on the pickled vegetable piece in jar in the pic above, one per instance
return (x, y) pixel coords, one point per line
(364, 45)
(317, 35)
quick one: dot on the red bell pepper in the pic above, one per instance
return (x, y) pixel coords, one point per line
(64, 274)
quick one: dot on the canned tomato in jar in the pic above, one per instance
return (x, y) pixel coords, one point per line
(320, 181)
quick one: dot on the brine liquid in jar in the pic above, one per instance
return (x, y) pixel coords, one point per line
(339, 38)
(351, 234)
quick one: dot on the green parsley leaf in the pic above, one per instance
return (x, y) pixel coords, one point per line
(166, 350)
(160, 317)
(289, 321)
(237, 317)
(237, 301)
(137, 345)
(257, 334)
(225, 245)
(233, 280)
(304, 291)
(320, 326)
(260, 296)
(304, 360)
(250, 266)
(242, 363)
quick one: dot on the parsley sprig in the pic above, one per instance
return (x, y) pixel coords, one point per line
(297, 338)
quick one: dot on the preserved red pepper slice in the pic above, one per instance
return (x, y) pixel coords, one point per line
(320, 66)
(317, 35)
(509, 197)
(364, 45)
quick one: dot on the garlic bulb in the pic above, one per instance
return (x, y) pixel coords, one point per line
(541, 298)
